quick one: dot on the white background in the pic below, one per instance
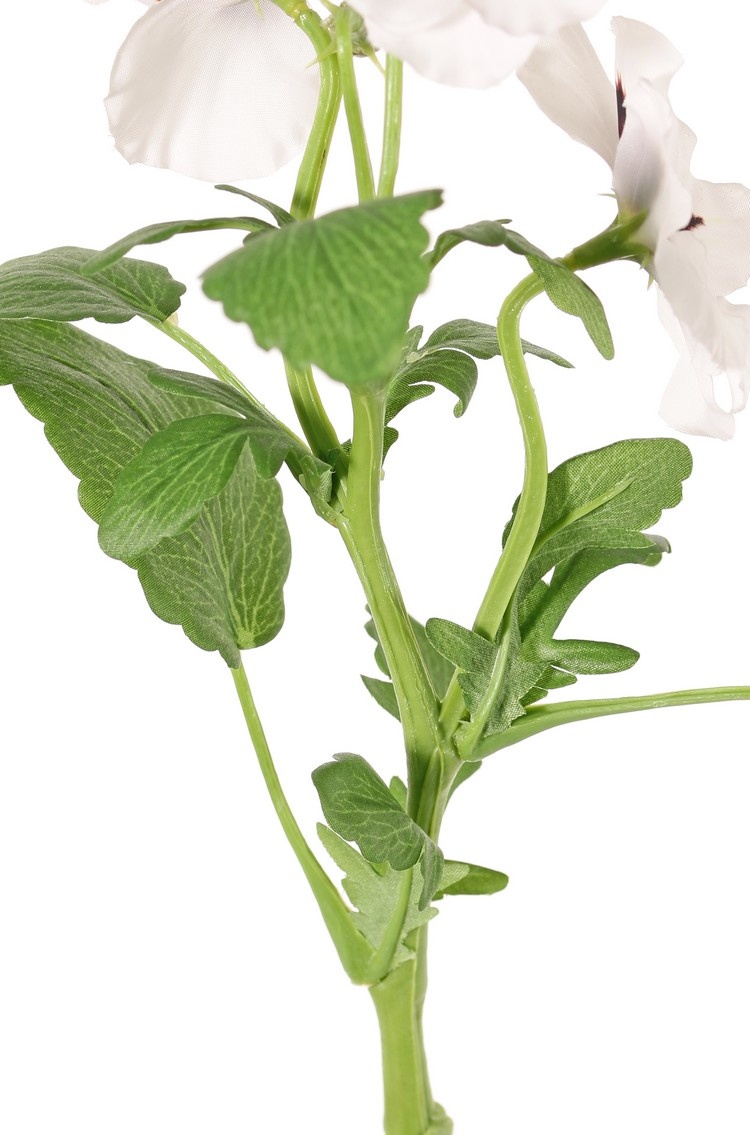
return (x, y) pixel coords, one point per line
(163, 969)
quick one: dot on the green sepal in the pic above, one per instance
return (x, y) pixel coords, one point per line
(301, 288)
(360, 807)
(52, 286)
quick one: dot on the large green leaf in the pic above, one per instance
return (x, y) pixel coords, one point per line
(52, 286)
(336, 291)
(221, 579)
(361, 808)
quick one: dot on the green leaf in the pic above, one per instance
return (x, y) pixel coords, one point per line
(360, 807)
(376, 892)
(491, 234)
(163, 489)
(165, 230)
(281, 216)
(301, 289)
(221, 579)
(52, 286)
(480, 340)
(439, 670)
(469, 879)
(570, 294)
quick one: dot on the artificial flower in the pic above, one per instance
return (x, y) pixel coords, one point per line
(467, 43)
(697, 232)
(220, 90)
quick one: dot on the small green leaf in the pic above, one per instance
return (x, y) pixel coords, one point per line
(470, 880)
(281, 216)
(439, 669)
(491, 234)
(52, 286)
(570, 294)
(376, 892)
(165, 230)
(360, 808)
(384, 694)
(480, 340)
(162, 490)
(301, 289)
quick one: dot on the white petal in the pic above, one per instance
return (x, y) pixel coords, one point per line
(216, 89)
(459, 48)
(641, 53)
(724, 210)
(690, 406)
(648, 170)
(567, 81)
(540, 17)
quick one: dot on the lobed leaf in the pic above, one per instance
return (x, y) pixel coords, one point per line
(300, 288)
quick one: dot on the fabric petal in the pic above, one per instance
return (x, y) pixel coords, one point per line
(647, 174)
(535, 17)
(220, 90)
(689, 403)
(568, 83)
(459, 49)
(723, 212)
(643, 53)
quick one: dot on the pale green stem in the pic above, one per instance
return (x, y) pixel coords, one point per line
(202, 354)
(530, 508)
(353, 949)
(538, 718)
(359, 525)
(357, 133)
(394, 88)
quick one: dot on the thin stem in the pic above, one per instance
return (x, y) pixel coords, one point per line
(538, 718)
(394, 89)
(202, 354)
(359, 525)
(353, 949)
(528, 516)
(355, 121)
(316, 425)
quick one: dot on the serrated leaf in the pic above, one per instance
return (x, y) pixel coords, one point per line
(360, 807)
(222, 579)
(469, 879)
(300, 289)
(377, 895)
(163, 489)
(570, 294)
(165, 230)
(52, 286)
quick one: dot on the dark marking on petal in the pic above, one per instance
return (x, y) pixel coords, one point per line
(695, 222)
(621, 111)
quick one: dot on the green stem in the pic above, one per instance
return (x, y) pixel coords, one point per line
(359, 525)
(203, 355)
(409, 1107)
(316, 425)
(360, 150)
(528, 516)
(352, 948)
(394, 88)
(538, 718)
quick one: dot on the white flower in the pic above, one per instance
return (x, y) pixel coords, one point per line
(698, 232)
(221, 90)
(467, 43)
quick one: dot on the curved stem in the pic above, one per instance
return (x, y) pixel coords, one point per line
(394, 87)
(359, 525)
(316, 425)
(538, 718)
(202, 354)
(360, 150)
(528, 515)
(353, 949)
